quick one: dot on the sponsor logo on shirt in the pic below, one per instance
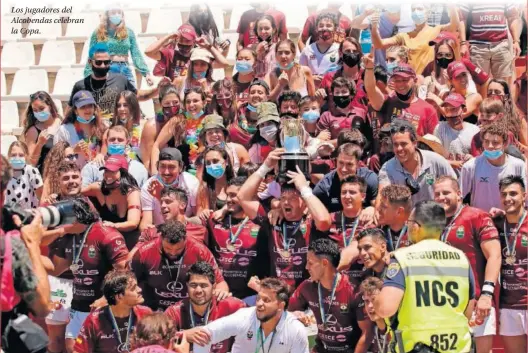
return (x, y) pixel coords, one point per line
(249, 335)
(484, 179)
(155, 273)
(243, 261)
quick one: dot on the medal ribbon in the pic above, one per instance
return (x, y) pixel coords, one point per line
(320, 297)
(116, 328)
(179, 268)
(262, 341)
(233, 237)
(191, 311)
(381, 347)
(389, 238)
(343, 230)
(285, 244)
(446, 231)
(81, 246)
(510, 248)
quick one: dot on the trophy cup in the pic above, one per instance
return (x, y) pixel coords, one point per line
(293, 138)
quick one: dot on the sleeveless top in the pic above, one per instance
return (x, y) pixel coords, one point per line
(303, 90)
(44, 152)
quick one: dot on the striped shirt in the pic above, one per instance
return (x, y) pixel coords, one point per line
(489, 22)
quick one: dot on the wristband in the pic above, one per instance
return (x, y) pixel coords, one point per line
(263, 170)
(487, 288)
(369, 68)
(490, 283)
(306, 192)
(489, 294)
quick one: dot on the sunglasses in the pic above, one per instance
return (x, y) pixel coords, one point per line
(72, 157)
(102, 62)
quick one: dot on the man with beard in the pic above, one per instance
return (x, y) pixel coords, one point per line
(173, 60)
(170, 173)
(290, 238)
(201, 307)
(329, 294)
(472, 231)
(288, 103)
(239, 244)
(394, 210)
(124, 310)
(162, 264)
(89, 255)
(373, 252)
(513, 228)
(404, 103)
(268, 327)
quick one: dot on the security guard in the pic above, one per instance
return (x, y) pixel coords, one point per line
(428, 287)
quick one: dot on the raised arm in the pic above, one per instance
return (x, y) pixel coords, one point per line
(454, 20)
(374, 94)
(153, 51)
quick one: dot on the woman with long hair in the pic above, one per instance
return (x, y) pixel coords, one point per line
(445, 52)
(169, 98)
(183, 131)
(266, 31)
(224, 102)
(121, 42)
(83, 128)
(25, 187)
(202, 19)
(41, 122)
(118, 199)
(245, 74)
(289, 75)
(61, 151)
(212, 190)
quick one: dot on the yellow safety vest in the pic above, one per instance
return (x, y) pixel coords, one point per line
(436, 296)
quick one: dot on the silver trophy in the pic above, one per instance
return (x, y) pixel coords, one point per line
(293, 138)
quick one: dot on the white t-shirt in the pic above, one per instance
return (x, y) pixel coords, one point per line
(186, 181)
(481, 179)
(456, 142)
(243, 325)
(21, 188)
(320, 63)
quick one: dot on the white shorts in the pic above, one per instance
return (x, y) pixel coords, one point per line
(76, 321)
(61, 293)
(488, 327)
(513, 322)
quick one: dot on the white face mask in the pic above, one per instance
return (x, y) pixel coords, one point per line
(268, 132)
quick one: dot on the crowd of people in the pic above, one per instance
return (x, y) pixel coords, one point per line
(407, 232)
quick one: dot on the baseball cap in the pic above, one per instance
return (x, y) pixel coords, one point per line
(455, 69)
(170, 154)
(267, 111)
(82, 98)
(404, 70)
(114, 163)
(443, 35)
(454, 99)
(201, 54)
(187, 31)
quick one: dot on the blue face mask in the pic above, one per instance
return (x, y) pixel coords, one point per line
(492, 154)
(252, 108)
(17, 162)
(287, 67)
(215, 170)
(244, 67)
(84, 121)
(194, 116)
(199, 75)
(116, 19)
(164, 183)
(311, 116)
(42, 116)
(391, 66)
(115, 148)
(418, 17)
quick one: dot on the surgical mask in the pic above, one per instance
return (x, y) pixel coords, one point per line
(216, 170)
(116, 149)
(405, 97)
(199, 75)
(100, 71)
(84, 121)
(418, 17)
(444, 62)
(325, 34)
(160, 179)
(185, 50)
(244, 67)
(311, 116)
(269, 132)
(42, 116)
(287, 67)
(391, 66)
(351, 59)
(194, 116)
(169, 112)
(116, 19)
(17, 162)
(123, 121)
(492, 154)
(252, 108)
(342, 101)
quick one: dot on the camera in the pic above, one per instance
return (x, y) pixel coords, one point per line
(60, 213)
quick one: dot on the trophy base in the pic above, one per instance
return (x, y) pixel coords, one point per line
(289, 161)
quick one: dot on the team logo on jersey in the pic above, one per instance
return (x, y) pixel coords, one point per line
(249, 334)
(460, 232)
(254, 231)
(524, 240)
(91, 252)
(392, 270)
(429, 179)
(333, 59)
(343, 308)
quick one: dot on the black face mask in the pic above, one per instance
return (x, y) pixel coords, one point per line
(342, 101)
(444, 62)
(265, 40)
(184, 50)
(405, 97)
(106, 189)
(351, 59)
(100, 71)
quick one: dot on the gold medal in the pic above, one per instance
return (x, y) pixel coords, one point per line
(230, 246)
(510, 259)
(74, 267)
(286, 254)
